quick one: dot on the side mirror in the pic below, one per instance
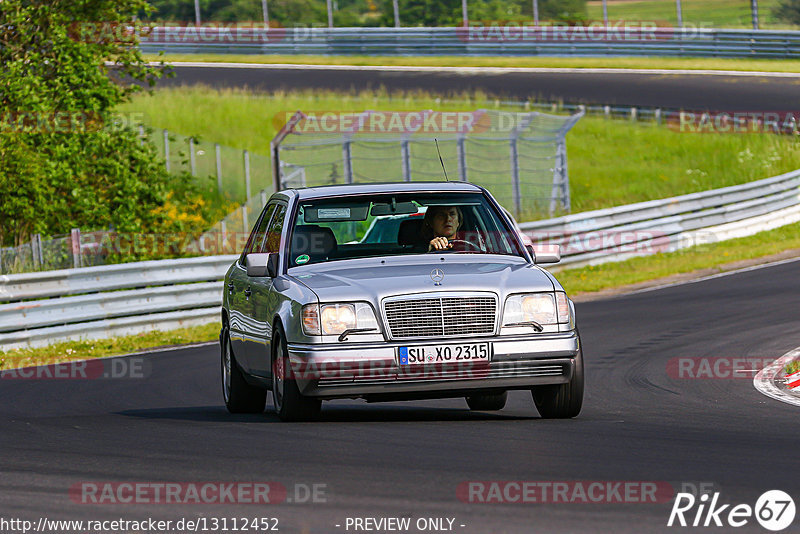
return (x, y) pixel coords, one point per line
(262, 264)
(548, 254)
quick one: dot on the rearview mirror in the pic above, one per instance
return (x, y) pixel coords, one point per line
(262, 264)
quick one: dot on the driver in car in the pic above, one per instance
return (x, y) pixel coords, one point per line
(443, 224)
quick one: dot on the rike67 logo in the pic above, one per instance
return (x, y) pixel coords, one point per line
(774, 510)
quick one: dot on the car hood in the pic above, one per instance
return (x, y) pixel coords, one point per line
(374, 279)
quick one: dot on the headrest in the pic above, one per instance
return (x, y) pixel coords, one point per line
(317, 242)
(410, 232)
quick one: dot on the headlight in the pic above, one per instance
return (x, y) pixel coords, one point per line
(538, 307)
(333, 319)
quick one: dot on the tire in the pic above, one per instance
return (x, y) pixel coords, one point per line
(487, 402)
(239, 396)
(290, 404)
(561, 401)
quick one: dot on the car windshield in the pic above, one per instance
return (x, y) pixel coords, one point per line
(341, 228)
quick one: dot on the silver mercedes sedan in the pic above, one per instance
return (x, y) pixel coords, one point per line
(390, 292)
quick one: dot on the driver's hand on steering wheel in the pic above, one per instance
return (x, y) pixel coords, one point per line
(439, 243)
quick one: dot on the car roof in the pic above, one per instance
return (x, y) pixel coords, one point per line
(330, 191)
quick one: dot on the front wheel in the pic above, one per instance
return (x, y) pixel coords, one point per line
(239, 396)
(290, 404)
(488, 402)
(562, 401)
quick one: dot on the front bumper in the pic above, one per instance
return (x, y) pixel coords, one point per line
(372, 370)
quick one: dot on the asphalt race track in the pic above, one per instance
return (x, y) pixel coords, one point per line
(687, 91)
(408, 459)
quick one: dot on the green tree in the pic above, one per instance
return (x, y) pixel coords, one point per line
(788, 10)
(63, 162)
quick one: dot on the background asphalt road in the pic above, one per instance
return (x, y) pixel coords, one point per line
(408, 458)
(688, 91)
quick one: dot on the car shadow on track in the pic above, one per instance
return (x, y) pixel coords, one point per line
(329, 414)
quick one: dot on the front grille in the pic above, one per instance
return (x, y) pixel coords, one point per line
(441, 316)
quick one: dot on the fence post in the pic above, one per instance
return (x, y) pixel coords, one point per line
(607, 111)
(515, 189)
(192, 160)
(658, 116)
(633, 114)
(560, 179)
(244, 219)
(406, 159)
(247, 175)
(462, 158)
(263, 199)
(75, 241)
(166, 148)
(347, 157)
(36, 251)
(224, 231)
(218, 156)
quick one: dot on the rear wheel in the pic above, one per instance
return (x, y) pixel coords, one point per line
(239, 396)
(487, 402)
(290, 404)
(561, 401)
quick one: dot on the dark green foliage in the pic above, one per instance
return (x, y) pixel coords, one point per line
(289, 13)
(65, 161)
(788, 11)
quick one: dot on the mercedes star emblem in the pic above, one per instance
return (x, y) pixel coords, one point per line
(437, 275)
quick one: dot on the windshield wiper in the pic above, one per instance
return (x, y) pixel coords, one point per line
(349, 331)
(533, 324)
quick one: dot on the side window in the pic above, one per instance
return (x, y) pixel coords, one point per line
(273, 241)
(256, 239)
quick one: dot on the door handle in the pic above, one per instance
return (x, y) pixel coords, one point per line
(247, 292)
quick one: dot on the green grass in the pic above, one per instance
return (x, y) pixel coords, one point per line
(793, 367)
(696, 13)
(98, 348)
(711, 256)
(669, 63)
(611, 162)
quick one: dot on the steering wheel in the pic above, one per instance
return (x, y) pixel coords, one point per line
(470, 243)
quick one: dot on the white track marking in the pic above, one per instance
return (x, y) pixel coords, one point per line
(764, 381)
(477, 70)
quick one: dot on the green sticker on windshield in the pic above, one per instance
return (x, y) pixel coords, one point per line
(303, 258)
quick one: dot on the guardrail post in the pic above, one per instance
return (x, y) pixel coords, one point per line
(75, 242)
(607, 111)
(245, 225)
(218, 156)
(36, 251)
(347, 157)
(166, 149)
(223, 229)
(633, 114)
(515, 189)
(405, 152)
(247, 175)
(462, 158)
(658, 116)
(192, 160)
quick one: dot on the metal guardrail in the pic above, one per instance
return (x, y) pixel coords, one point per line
(173, 293)
(477, 41)
(670, 224)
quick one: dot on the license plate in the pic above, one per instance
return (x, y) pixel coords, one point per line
(433, 354)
